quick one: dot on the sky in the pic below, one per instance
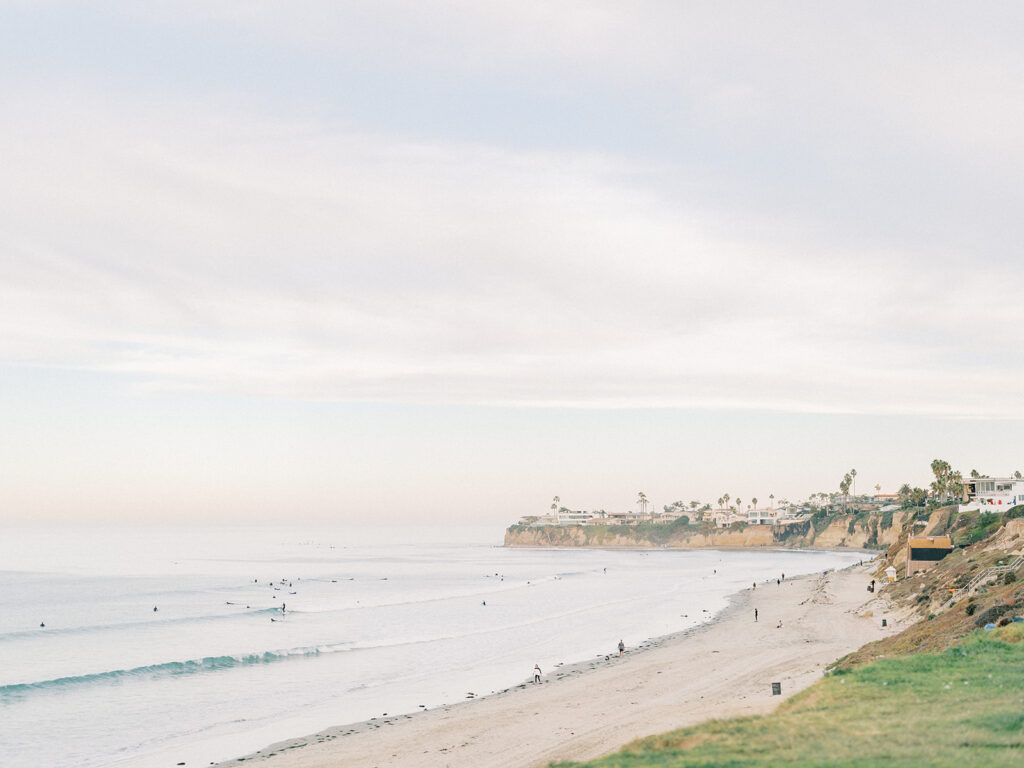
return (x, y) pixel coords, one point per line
(407, 261)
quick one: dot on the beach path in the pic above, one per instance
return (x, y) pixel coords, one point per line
(722, 669)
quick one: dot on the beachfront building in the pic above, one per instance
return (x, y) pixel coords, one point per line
(992, 494)
(572, 517)
(925, 551)
(538, 521)
(625, 518)
(725, 518)
(762, 516)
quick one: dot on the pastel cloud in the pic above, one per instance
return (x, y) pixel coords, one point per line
(802, 211)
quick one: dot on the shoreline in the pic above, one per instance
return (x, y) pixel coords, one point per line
(723, 547)
(594, 706)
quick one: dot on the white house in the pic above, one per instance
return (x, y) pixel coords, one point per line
(625, 518)
(993, 494)
(538, 521)
(725, 518)
(573, 517)
(762, 516)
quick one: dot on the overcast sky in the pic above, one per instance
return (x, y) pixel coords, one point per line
(445, 260)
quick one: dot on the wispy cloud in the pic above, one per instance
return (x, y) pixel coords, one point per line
(796, 210)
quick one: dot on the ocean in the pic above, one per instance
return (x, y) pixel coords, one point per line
(164, 646)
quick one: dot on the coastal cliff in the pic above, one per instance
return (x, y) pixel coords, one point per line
(863, 531)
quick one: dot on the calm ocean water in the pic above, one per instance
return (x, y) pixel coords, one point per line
(262, 634)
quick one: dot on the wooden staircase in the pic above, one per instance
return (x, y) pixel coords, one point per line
(984, 576)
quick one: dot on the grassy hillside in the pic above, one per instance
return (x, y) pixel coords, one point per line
(960, 707)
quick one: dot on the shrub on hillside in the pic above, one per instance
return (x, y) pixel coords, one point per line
(872, 541)
(990, 615)
(820, 520)
(984, 526)
(794, 531)
(1013, 512)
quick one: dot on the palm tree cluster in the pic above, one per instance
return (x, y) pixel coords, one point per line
(849, 480)
(948, 483)
(911, 497)
(725, 498)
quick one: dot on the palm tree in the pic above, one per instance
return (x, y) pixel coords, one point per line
(955, 485)
(721, 502)
(642, 501)
(554, 504)
(844, 488)
(904, 493)
(853, 475)
(772, 497)
(754, 500)
(878, 488)
(941, 470)
(726, 497)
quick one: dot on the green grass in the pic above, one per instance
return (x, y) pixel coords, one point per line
(984, 526)
(961, 707)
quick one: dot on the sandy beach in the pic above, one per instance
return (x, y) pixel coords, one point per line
(721, 669)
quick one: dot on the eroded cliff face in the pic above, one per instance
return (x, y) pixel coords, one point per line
(861, 535)
(1009, 538)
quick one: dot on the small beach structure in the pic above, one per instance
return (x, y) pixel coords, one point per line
(925, 551)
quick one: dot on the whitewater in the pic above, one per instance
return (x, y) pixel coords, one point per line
(151, 647)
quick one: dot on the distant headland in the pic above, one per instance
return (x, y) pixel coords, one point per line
(826, 520)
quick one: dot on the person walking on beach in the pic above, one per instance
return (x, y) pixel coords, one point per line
(755, 614)
(536, 673)
(622, 648)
